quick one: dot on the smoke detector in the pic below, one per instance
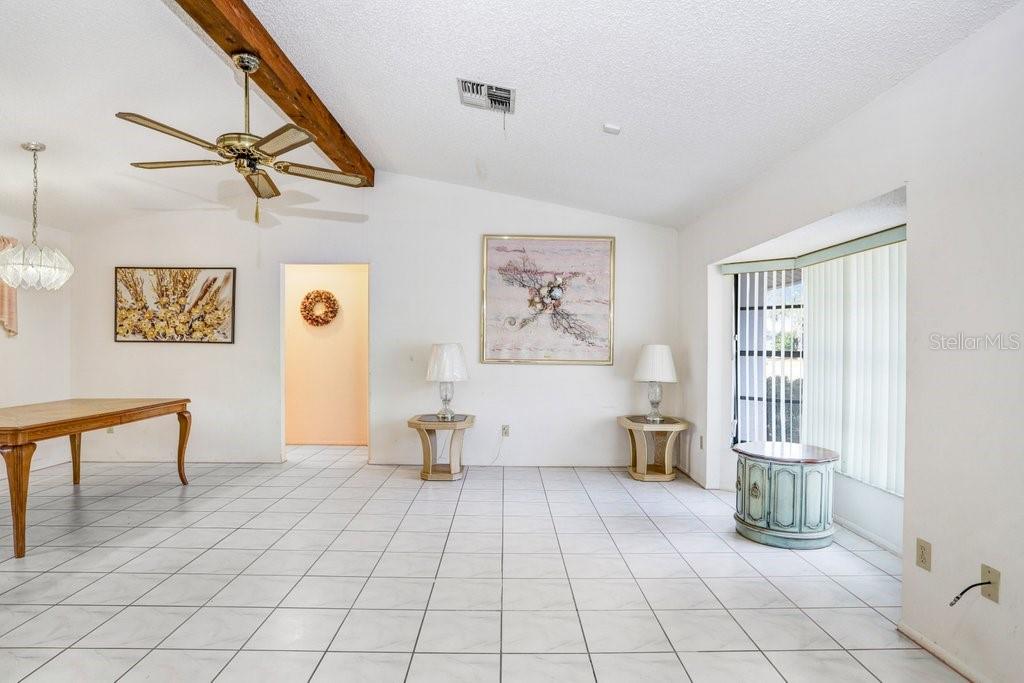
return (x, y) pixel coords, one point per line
(487, 96)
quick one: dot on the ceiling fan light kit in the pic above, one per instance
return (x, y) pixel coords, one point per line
(249, 153)
(32, 266)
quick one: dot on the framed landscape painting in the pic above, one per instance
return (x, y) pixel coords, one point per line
(184, 305)
(547, 300)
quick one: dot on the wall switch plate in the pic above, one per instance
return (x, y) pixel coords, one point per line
(702, 442)
(991, 591)
(924, 555)
(506, 430)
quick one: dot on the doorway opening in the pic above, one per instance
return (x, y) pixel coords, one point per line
(325, 340)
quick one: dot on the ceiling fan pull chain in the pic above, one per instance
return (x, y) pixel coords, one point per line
(257, 209)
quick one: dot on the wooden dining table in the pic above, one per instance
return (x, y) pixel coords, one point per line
(22, 426)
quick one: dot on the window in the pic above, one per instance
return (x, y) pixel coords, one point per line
(768, 365)
(820, 353)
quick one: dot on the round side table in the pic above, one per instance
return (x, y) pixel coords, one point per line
(427, 426)
(645, 437)
(784, 494)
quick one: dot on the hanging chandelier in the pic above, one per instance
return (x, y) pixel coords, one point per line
(34, 266)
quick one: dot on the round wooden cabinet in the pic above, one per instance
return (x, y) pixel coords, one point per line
(784, 494)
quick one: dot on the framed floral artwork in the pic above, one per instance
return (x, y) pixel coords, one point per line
(547, 300)
(184, 305)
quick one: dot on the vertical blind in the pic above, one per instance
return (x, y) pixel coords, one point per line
(768, 368)
(855, 362)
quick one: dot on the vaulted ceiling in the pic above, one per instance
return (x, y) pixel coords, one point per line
(707, 92)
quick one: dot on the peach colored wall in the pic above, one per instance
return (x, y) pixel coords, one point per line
(326, 369)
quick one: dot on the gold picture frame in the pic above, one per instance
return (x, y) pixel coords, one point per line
(530, 327)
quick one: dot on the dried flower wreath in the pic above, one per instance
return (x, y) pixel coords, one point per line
(319, 307)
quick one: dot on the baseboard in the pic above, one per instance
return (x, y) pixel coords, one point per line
(949, 660)
(874, 538)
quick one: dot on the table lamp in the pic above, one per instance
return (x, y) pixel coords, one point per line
(654, 367)
(447, 366)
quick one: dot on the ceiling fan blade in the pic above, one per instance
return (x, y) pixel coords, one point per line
(316, 173)
(284, 139)
(165, 129)
(261, 184)
(181, 164)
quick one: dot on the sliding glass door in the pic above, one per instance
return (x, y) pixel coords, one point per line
(768, 353)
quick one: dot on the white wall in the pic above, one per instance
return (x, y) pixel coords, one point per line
(422, 240)
(35, 365)
(952, 132)
(870, 511)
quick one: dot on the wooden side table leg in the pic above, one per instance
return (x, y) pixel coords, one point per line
(455, 453)
(19, 460)
(184, 427)
(641, 454)
(632, 449)
(76, 459)
(427, 441)
(670, 454)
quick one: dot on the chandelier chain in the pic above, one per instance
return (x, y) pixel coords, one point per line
(35, 195)
(33, 266)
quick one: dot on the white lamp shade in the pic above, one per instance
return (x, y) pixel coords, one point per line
(447, 364)
(655, 364)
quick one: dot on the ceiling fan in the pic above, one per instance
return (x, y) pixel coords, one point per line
(250, 153)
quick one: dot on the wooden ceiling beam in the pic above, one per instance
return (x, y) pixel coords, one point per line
(233, 27)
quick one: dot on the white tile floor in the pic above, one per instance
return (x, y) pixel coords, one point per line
(326, 569)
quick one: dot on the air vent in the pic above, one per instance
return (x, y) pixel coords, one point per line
(485, 96)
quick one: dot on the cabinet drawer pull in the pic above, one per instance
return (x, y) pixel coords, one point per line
(755, 491)
(739, 484)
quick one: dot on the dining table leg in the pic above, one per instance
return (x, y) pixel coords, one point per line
(18, 460)
(184, 427)
(76, 459)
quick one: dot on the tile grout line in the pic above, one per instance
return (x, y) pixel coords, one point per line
(565, 568)
(49, 607)
(501, 583)
(170, 574)
(437, 570)
(636, 582)
(305, 476)
(206, 603)
(764, 577)
(283, 598)
(710, 590)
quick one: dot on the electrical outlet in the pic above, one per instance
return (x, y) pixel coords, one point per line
(991, 591)
(506, 430)
(924, 554)
(110, 430)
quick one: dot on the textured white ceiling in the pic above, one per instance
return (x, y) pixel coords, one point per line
(708, 92)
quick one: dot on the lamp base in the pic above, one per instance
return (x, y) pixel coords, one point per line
(654, 396)
(446, 414)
